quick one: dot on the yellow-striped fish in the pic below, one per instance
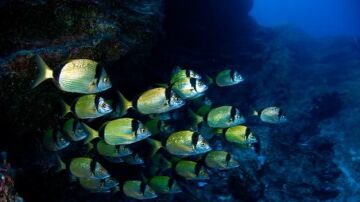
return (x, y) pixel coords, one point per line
(77, 76)
(153, 101)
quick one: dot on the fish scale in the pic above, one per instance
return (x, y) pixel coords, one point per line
(153, 101)
(85, 107)
(77, 76)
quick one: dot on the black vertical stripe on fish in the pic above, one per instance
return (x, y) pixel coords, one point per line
(223, 132)
(228, 158)
(97, 100)
(232, 75)
(193, 83)
(170, 183)
(232, 113)
(56, 136)
(247, 132)
(195, 139)
(98, 71)
(117, 147)
(92, 166)
(135, 103)
(281, 112)
(142, 187)
(198, 167)
(187, 73)
(135, 126)
(168, 94)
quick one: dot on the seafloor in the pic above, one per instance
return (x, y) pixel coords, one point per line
(314, 157)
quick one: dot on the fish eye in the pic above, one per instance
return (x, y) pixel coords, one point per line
(104, 105)
(106, 79)
(142, 130)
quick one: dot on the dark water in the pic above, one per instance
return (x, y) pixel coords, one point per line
(301, 56)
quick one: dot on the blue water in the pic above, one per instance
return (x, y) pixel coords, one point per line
(318, 18)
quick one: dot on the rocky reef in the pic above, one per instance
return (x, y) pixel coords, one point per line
(314, 157)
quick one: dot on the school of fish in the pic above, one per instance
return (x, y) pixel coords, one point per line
(175, 143)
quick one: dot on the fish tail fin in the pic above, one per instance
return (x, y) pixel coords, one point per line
(93, 134)
(197, 118)
(209, 80)
(61, 164)
(155, 146)
(254, 112)
(44, 71)
(66, 109)
(125, 104)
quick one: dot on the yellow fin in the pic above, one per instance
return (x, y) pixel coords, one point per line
(124, 104)
(44, 72)
(93, 134)
(66, 108)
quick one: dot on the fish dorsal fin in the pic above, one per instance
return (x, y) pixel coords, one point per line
(198, 167)
(193, 83)
(143, 187)
(228, 158)
(135, 126)
(195, 139)
(92, 166)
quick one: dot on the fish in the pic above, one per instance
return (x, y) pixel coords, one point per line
(54, 140)
(107, 150)
(122, 131)
(179, 73)
(219, 117)
(191, 170)
(88, 107)
(241, 135)
(76, 76)
(74, 129)
(153, 101)
(99, 185)
(186, 143)
(273, 115)
(84, 167)
(138, 190)
(220, 160)
(133, 159)
(164, 185)
(224, 117)
(228, 77)
(189, 88)
(157, 126)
